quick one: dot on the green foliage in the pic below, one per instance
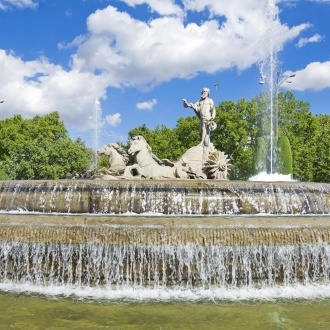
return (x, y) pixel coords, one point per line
(321, 162)
(236, 134)
(39, 148)
(103, 161)
(300, 126)
(3, 175)
(163, 141)
(284, 156)
(187, 132)
(260, 156)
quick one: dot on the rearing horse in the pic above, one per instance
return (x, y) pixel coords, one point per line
(144, 164)
(117, 158)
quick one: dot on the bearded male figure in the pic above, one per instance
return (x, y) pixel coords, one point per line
(205, 111)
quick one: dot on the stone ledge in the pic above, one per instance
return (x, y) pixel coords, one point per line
(156, 231)
(167, 221)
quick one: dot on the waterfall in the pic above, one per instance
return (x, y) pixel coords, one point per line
(183, 266)
(117, 236)
(161, 234)
(165, 198)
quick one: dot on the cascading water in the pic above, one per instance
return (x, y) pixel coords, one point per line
(161, 239)
(165, 197)
(161, 266)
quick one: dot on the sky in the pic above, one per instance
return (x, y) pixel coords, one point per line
(138, 59)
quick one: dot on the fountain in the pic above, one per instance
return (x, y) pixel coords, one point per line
(171, 231)
(160, 227)
(130, 236)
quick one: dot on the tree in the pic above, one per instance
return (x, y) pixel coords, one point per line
(321, 162)
(236, 134)
(298, 123)
(187, 132)
(39, 148)
(163, 141)
(284, 156)
(260, 156)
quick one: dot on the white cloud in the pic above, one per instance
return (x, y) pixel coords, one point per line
(68, 13)
(76, 42)
(39, 87)
(7, 4)
(163, 7)
(315, 76)
(137, 53)
(247, 9)
(113, 120)
(146, 105)
(304, 41)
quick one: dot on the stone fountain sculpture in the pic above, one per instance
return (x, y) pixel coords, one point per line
(170, 235)
(206, 161)
(203, 161)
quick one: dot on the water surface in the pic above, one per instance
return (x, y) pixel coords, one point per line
(23, 311)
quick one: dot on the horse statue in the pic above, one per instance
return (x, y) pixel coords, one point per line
(198, 162)
(145, 166)
(118, 159)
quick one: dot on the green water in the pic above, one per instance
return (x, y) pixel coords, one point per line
(39, 312)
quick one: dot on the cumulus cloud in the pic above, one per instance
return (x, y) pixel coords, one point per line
(163, 7)
(230, 9)
(167, 47)
(304, 41)
(113, 120)
(39, 87)
(148, 105)
(315, 76)
(7, 4)
(76, 42)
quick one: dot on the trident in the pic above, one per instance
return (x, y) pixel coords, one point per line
(216, 89)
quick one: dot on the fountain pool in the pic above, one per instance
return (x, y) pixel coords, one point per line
(23, 311)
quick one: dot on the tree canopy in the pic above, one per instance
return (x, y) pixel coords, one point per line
(163, 140)
(39, 148)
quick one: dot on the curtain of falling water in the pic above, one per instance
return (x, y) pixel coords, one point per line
(185, 266)
(163, 198)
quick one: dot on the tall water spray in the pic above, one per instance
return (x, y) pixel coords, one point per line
(268, 67)
(97, 112)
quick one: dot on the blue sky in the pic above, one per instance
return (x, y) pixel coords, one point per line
(140, 58)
